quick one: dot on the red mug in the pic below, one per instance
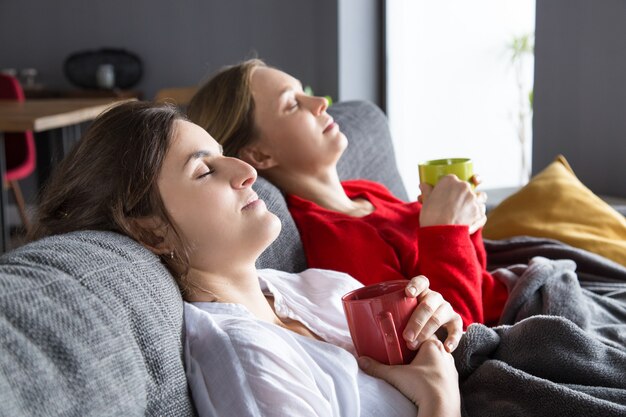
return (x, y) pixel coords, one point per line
(377, 315)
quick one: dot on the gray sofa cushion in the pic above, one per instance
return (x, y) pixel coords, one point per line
(90, 325)
(369, 155)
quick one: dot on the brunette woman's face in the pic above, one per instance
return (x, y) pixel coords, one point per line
(210, 200)
(294, 127)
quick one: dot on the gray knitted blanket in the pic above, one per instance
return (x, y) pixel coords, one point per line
(560, 349)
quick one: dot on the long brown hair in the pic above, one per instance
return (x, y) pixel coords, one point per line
(224, 107)
(110, 178)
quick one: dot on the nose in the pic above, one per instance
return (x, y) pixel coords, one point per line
(243, 174)
(318, 105)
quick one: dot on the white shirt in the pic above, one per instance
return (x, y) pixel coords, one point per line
(240, 366)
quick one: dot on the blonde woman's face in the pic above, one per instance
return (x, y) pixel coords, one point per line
(211, 201)
(294, 127)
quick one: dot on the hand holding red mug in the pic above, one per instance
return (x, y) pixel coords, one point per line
(432, 313)
(389, 320)
(430, 380)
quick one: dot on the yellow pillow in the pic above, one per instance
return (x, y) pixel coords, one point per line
(556, 205)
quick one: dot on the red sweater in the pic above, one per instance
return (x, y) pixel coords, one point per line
(389, 244)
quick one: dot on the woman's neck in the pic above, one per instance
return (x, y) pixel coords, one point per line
(233, 286)
(323, 189)
(243, 288)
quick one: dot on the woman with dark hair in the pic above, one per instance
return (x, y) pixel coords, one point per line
(257, 342)
(262, 115)
(108, 179)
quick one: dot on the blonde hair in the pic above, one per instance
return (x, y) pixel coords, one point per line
(224, 106)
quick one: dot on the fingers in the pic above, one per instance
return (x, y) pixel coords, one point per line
(432, 313)
(432, 344)
(481, 220)
(427, 353)
(416, 286)
(430, 375)
(481, 200)
(430, 352)
(426, 319)
(445, 317)
(453, 202)
(426, 189)
(407, 379)
(476, 180)
(372, 367)
(478, 223)
(455, 331)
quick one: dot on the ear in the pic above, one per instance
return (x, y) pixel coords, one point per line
(152, 233)
(257, 157)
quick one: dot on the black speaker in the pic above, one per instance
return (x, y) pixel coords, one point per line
(81, 67)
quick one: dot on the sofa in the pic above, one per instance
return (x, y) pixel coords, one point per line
(91, 322)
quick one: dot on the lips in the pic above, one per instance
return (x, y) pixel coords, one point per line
(330, 125)
(252, 201)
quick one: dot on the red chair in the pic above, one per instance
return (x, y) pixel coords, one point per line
(19, 148)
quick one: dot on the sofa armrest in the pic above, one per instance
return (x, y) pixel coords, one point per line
(90, 324)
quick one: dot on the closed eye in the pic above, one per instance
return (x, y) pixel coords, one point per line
(205, 174)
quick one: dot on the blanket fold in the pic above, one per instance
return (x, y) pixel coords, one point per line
(560, 348)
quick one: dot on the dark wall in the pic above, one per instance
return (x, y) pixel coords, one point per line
(322, 42)
(180, 42)
(580, 90)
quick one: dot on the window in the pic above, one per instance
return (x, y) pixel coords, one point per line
(452, 86)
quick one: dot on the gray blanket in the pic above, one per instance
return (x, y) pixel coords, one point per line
(560, 349)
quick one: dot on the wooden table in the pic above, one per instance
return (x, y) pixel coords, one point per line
(38, 116)
(39, 92)
(44, 114)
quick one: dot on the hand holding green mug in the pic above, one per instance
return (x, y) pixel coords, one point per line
(432, 171)
(454, 203)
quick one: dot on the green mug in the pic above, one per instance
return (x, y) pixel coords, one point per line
(432, 171)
